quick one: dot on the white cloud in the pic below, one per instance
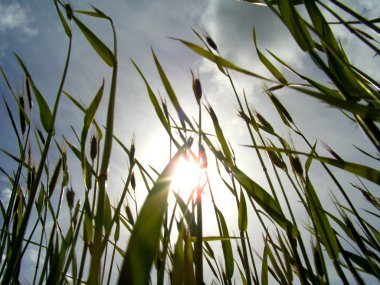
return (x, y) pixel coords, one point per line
(14, 16)
(5, 195)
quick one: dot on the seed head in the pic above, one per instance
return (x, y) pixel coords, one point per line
(69, 11)
(244, 117)
(197, 88)
(93, 148)
(211, 43)
(296, 165)
(263, 121)
(129, 215)
(28, 94)
(30, 178)
(54, 177)
(332, 152)
(202, 157)
(22, 114)
(132, 152)
(133, 181)
(70, 195)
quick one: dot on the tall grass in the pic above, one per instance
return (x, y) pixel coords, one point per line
(81, 243)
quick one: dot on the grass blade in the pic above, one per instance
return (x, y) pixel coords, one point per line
(102, 50)
(143, 243)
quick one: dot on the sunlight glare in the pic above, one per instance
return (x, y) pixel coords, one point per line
(186, 176)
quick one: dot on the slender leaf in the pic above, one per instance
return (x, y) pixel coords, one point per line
(143, 243)
(102, 50)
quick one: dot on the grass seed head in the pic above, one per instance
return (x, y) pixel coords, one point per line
(132, 152)
(133, 181)
(296, 165)
(54, 177)
(245, 117)
(332, 152)
(276, 160)
(202, 157)
(30, 178)
(263, 121)
(165, 108)
(129, 215)
(30, 101)
(211, 43)
(93, 147)
(65, 179)
(70, 196)
(22, 114)
(197, 88)
(69, 11)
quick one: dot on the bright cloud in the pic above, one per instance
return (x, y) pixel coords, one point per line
(14, 16)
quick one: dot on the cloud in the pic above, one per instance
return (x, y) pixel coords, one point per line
(5, 195)
(14, 16)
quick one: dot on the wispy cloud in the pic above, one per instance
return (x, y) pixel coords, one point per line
(15, 16)
(5, 195)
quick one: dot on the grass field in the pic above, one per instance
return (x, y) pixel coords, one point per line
(286, 230)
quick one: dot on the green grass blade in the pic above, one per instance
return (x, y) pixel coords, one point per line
(295, 24)
(322, 224)
(102, 50)
(156, 105)
(220, 61)
(226, 245)
(144, 240)
(88, 119)
(45, 113)
(269, 205)
(275, 72)
(242, 214)
(63, 21)
(264, 265)
(169, 90)
(364, 171)
(219, 134)
(179, 259)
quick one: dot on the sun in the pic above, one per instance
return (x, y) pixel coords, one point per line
(187, 176)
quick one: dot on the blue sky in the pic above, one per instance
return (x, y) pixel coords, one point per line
(32, 30)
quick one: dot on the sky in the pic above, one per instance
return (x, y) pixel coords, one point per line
(33, 31)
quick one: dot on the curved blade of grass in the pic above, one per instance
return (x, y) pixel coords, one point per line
(323, 228)
(226, 246)
(88, 119)
(179, 259)
(13, 124)
(281, 110)
(264, 266)
(219, 60)
(275, 72)
(269, 205)
(295, 24)
(242, 214)
(144, 240)
(156, 105)
(219, 134)
(189, 261)
(102, 50)
(362, 262)
(45, 113)
(364, 171)
(169, 90)
(63, 21)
